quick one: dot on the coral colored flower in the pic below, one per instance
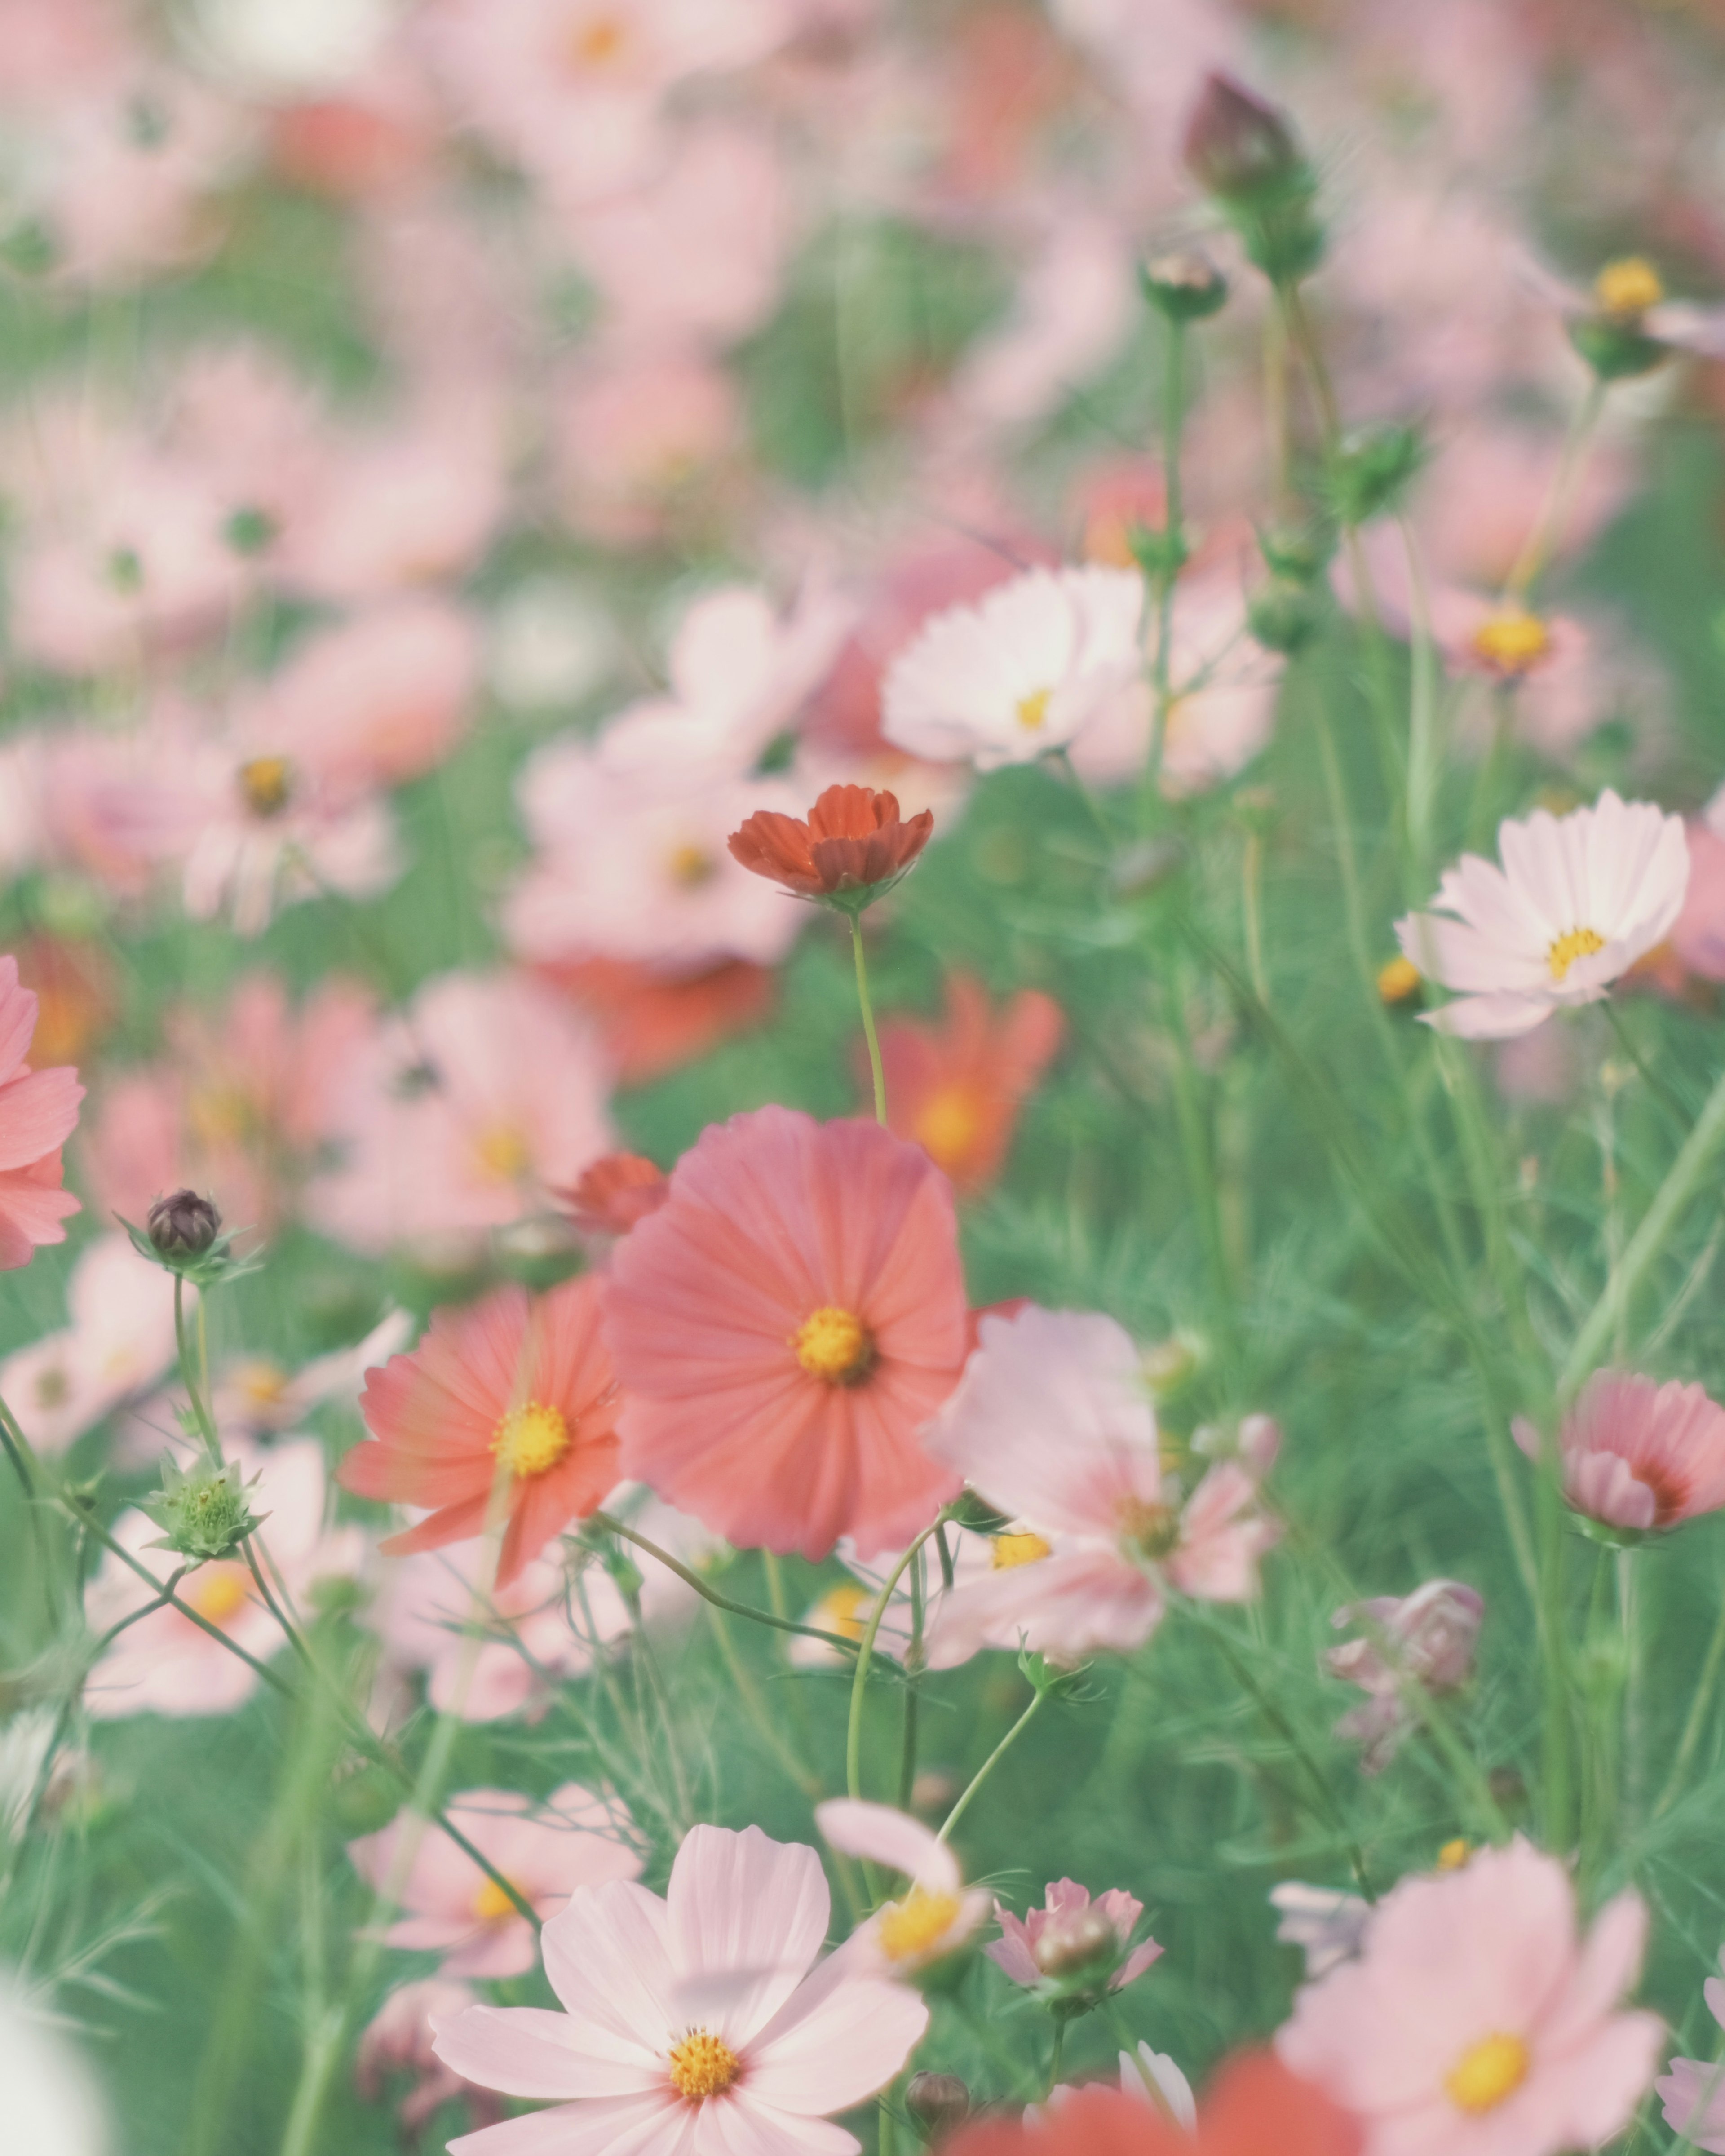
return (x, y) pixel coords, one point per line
(1426, 1638)
(1476, 2021)
(1639, 1456)
(1693, 2091)
(1053, 1424)
(784, 1324)
(956, 1088)
(1578, 900)
(853, 840)
(38, 1112)
(455, 1909)
(515, 1386)
(1072, 1937)
(1255, 2104)
(652, 1019)
(398, 2040)
(700, 2023)
(616, 1193)
(935, 1914)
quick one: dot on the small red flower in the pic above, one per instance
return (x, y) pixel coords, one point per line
(1253, 2105)
(854, 840)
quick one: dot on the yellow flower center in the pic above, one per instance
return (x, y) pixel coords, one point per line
(266, 784)
(1627, 287)
(504, 1153)
(261, 1383)
(840, 1610)
(491, 1905)
(835, 1345)
(691, 865)
(1397, 980)
(1579, 943)
(531, 1439)
(52, 1387)
(915, 1926)
(949, 1126)
(596, 42)
(1151, 1529)
(1485, 2074)
(1007, 1552)
(1033, 709)
(702, 2066)
(219, 1592)
(219, 1114)
(1454, 1855)
(1512, 641)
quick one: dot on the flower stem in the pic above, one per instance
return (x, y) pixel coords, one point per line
(188, 1377)
(868, 1020)
(1054, 2059)
(865, 1655)
(1173, 421)
(1530, 563)
(991, 1762)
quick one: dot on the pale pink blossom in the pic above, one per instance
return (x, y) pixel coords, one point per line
(1426, 1639)
(703, 2022)
(118, 1338)
(1698, 932)
(39, 1112)
(936, 1913)
(1072, 1934)
(399, 2039)
(1636, 1455)
(1693, 2091)
(638, 439)
(453, 1908)
(845, 1609)
(1477, 2021)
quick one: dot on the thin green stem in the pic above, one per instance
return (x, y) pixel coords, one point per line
(755, 1707)
(188, 1376)
(1056, 2052)
(864, 1656)
(1649, 1076)
(1529, 565)
(1173, 421)
(868, 1018)
(990, 1763)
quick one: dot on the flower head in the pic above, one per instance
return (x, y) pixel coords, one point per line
(1425, 1638)
(853, 846)
(936, 1914)
(1579, 899)
(1637, 1455)
(611, 1196)
(39, 1112)
(956, 1088)
(1073, 1945)
(398, 2040)
(1693, 2091)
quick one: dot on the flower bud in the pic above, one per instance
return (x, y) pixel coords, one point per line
(1076, 1941)
(1296, 553)
(1285, 618)
(1185, 286)
(204, 1511)
(1373, 469)
(1616, 348)
(938, 2102)
(182, 1225)
(1236, 145)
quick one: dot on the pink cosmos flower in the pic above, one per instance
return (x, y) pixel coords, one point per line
(38, 1112)
(638, 439)
(1052, 1422)
(1426, 1638)
(701, 2022)
(1070, 1933)
(784, 1324)
(1476, 2021)
(1693, 2091)
(845, 1609)
(935, 1915)
(398, 2040)
(1075, 305)
(455, 1909)
(1639, 1456)
(119, 1338)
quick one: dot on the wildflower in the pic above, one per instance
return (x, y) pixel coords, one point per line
(518, 1388)
(118, 1339)
(935, 1915)
(784, 1324)
(852, 848)
(1693, 2091)
(1625, 325)
(1072, 1944)
(1186, 285)
(702, 2021)
(1018, 672)
(609, 1197)
(845, 1609)
(182, 1226)
(1244, 153)
(39, 1112)
(1639, 1456)
(651, 1019)
(956, 1088)
(455, 1908)
(1326, 1923)
(1476, 2019)
(1578, 900)
(399, 2039)
(1426, 1638)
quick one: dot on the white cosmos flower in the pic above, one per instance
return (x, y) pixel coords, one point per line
(1020, 672)
(1579, 899)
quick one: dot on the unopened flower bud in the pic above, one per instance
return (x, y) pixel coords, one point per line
(1236, 145)
(183, 1225)
(1185, 286)
(938, 2102)
(1373, 469)
(1296, 553)
(204, 1511)
(1285, 618)
(1075, 1942)
(1616, 347)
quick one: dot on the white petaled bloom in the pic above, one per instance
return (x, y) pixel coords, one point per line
(1019, 673)
(936, 1913)
(1577, 899)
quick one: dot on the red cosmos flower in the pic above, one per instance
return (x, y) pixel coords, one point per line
(853, 841)
(514, 1383)
(784, 1326)
(38, 1112)
(956, 1088)
(1254, 2105)
(614, 1193)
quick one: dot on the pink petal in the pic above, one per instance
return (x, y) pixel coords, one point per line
(607, 2126)
(38, 1114)
(744, 1906)
(838, 2039)
(891, 1838)
(608, 1958)
(525, 2051)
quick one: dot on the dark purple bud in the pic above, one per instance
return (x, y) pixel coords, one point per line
(183, 1225)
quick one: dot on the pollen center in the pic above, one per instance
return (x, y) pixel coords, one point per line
(1577, 943)
(1151, 1529)
(1397, 980)
(835, 1345)
(596, 43)
(1454, 1855)
(503, 1152)
(691, 865)
(1007, 1552)
(949, 1126)
(1512, 641)
(1032, 710)
(1627, 287)
(702, 2066)
(911, 1928)
(491, 1905)
(840, 1610)
(266, 784)
(1492, 2070)
(220, 1592)
(531, 1439)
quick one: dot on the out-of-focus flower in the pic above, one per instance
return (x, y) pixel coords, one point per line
(852, 846)
(1021, 672)
(1515, 2042)
(38, 1112)
(1073, 1943)
(700, 2022)
(455, 1909)
(1327, 1923)
(1236, 144)
(1579, 899)
(784, 1324)
(118, 1339)
(1153, 2078)
(53, 2102)
(1624, 324)
(1697, 938)
(650, 1020)
(515, 1388)
(398, 2040)
(1693, 2091)
(845, 1609)
(616, 1193)
(935, 1914)
(1427, 1638)
(638, 439)
(1637, 1455)
(956, 1088)
(76, 985)
(1099, 1528)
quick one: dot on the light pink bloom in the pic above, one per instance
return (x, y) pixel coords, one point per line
(39, 1112)
(935, 1914)
(118, 1339)
(1693, 2091)
(1426, 1638)
(1075, 305)
(1698, 933)
(1070, 1933)
(453, 1908)
(1052, 1422)
(1639, 1456)
(1476, 2021)
(638, 438)
(845, 1608)
(399, 2039)
(700, 2023)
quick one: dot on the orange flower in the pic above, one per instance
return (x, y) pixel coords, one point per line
(653, 1022)
(853, 841)
(956, 1088)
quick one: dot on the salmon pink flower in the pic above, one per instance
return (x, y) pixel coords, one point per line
(616, 1193)
(516, 1387)
(956, 1088)
(851, 849)
(1636, 1455)
(1426, 1638)
(1072, 1937)
(1578, 900)
(701, 2023)
(1476, 2020)
(935, 1914)
(784, 1324)
(454, 1908)
(651, 1019)
(38, 1112)
(1693, 2091)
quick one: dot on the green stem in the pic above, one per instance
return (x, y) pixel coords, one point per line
(756, 1709)
(868, 1018)
(1654, 1084)
(990, 1763)
(1530, 563)
(864, 1656)
(1173, 421)
(1054, 2060)
(194, 1391)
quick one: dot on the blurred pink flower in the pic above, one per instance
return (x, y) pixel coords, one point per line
(1476, 2021)
(38, 1112)
(452, 1907)
(118, 1339)
(1426, 1638)
(637, 438)
(1326, 1923)
(1693, 2091)
(937, 1913)
(1071, 1932)
(1697, 940)
(398, 2040)
(702, 2021)
(1637, 1455)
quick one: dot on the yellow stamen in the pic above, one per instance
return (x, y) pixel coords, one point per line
(1397, 981)
(1579, 943)
(835, 1346)
(262, 1383)
(531, 1439)
(1151, 1529)
(913, 1927)
(1512, 641)
(1627, 287)
(840, 1610)
(702, 2066)
(1454, 1855)
(266, 784)
(596, 43)
(219, 1114)
(1493, 2069)
(491, 1905)
(1033, 709)
(504, 1153)
(1007, 1552)
(949, 1125)
(219, 1592)
(691, 865)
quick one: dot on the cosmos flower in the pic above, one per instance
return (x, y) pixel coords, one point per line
(852, 841)
(935, 1915)
(38, 1112)
(611, 1196)
(119, 1338)
(1425, 1638)
(398, 2040)
(1693, 2091)
(1072, 1935)
(1639, 1456)
(956, 1088)
(1579, 899)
